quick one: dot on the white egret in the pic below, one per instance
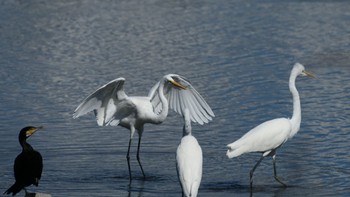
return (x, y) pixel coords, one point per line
(270, 135)
(113, 107)
(189, 160)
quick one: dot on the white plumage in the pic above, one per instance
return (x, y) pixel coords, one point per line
(255, 139)
(189, 160)
(113, 107)
(270, 135)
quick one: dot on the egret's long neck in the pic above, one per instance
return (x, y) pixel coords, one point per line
(165, 106)
(296, 118)
(187, 130)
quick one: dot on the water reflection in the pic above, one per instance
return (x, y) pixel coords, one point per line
(136, 191)
(237, 53)
(276, 191)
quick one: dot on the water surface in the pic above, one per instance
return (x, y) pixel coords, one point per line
(237, 54)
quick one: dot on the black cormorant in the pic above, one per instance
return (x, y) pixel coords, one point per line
(28, 164)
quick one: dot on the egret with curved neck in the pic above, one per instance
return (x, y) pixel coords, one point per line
(270, 135)
(113, 107)
(296, 117)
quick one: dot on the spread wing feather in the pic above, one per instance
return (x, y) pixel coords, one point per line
(104, 102)
(180, 99)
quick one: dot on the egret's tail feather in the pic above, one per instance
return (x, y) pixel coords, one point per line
(113, 122)
(193, 189)
(234, 150)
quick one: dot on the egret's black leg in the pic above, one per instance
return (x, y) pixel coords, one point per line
(138, 156)
(128, 159)
(275, 171)
(252, 171)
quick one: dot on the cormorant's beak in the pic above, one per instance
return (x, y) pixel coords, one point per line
(32, 131)
(177, 84)
(309, 74)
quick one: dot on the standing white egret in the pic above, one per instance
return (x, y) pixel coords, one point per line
(270, 135)
(189, 160)
(113, 107)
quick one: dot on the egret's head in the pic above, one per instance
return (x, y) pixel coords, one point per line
(300, 69)
(174, 80)
(26, 132)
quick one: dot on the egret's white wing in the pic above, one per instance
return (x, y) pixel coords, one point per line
(264, 138)
(154, 98)
(180, 99)
(104, 102)
(124, 109)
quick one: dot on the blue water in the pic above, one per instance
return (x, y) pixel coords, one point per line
(237, 54)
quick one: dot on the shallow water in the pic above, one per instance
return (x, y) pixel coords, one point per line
(237, 54)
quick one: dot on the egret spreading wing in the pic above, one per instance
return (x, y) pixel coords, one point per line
(113, 107)
(180, 99)
(103, 102)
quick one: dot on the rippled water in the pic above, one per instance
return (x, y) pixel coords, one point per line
(238, 55)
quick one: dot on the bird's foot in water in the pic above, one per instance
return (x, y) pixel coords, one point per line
(251, 179)
(279, 180)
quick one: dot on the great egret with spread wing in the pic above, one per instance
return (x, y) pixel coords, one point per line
(28, 164)
(113, 107)
(189, 160)
(270, 135)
